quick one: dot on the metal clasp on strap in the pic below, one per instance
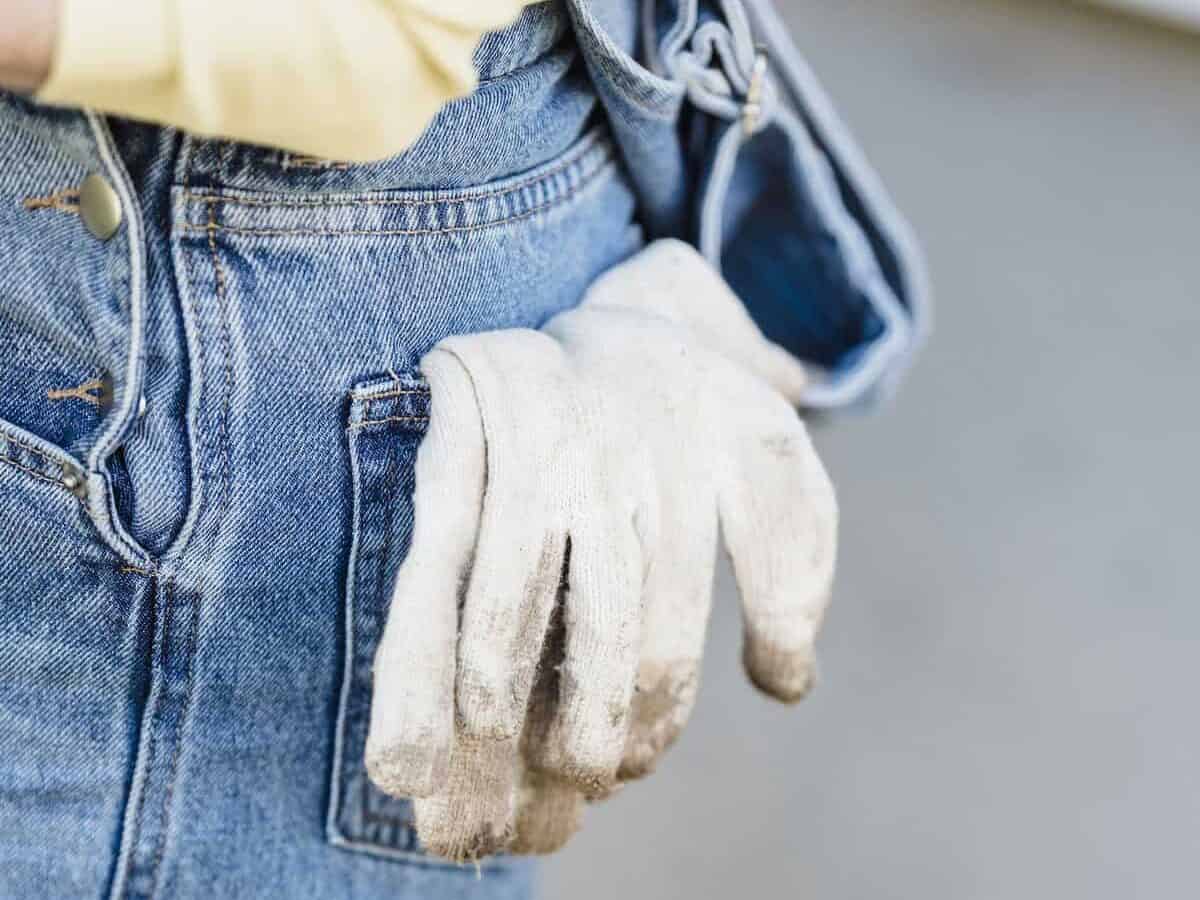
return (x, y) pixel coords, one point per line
(752, 106)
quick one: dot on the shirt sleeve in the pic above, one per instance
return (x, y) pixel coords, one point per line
(339, 79)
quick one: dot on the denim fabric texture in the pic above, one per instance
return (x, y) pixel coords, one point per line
(208, 424)
(763, 177)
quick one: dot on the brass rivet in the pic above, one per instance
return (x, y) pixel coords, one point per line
(74, 482)
(99, 207)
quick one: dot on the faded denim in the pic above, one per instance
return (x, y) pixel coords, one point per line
(208, 422)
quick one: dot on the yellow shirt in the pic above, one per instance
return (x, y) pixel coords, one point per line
(338, 79)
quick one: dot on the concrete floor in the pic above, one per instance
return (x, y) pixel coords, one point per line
(1008, 706)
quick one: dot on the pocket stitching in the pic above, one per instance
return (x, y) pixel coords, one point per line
(361, 399)
(534, 211)
(8, 436)
(33, 473)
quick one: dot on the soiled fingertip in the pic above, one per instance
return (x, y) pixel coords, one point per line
(459, 846)
(403, 770)
(786, 675)
(591, 781)
(549, 814)
(637, 764)
(589, 767)
(473, 814)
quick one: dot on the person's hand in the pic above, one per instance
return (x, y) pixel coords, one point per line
(27, 31)
(546, 630)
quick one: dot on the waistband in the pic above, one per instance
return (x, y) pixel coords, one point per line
(533, 102)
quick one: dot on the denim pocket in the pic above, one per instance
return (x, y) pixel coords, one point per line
(385, 423)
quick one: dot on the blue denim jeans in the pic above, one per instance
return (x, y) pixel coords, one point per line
(208, 422)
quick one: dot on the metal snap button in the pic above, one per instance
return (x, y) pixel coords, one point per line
(99, 207)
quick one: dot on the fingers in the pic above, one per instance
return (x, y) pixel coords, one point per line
(671, 280)
(412, 712)
(601, 620)
(473, 815)
(678, 599)
(779, 519)
(549, 812)
(514, 579)
(519, 552)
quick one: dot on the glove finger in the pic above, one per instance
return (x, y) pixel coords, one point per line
(549, 809)
(472, 816)
(549, 812)
(602, 612)
(412, 713)
(671, 279)
(514, 580)
(779, 520)
(678, 599)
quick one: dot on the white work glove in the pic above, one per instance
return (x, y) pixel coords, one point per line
(546, 629)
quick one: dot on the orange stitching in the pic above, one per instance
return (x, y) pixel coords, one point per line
(135, 570)
(371, 401)
(366, 422)
(398, 392)
(82, 392)
(66, 200)
(227, 347)
(313, 162)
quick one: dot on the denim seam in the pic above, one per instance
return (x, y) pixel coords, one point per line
(397, 392)
(227, 348)
(351, 654)
(152, 745)
(389, 491)
(300, 161)
(45, 457)
(413, 858)
(176, 752)
(401, 232)
(32, 449)
(357, 426)
(592, 143)
(162, 608)
(133, 378)
(184, 259)
(194, 604)
(369, 401)
(34, 473)
(333, 816)
(189, 648)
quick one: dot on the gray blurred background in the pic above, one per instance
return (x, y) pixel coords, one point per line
(1007, 706)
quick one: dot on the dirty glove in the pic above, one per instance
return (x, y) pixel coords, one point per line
(598, 455)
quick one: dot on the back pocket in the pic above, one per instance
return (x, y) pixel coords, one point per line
(386, 420)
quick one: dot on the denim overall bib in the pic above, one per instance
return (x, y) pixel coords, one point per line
(209, 414)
